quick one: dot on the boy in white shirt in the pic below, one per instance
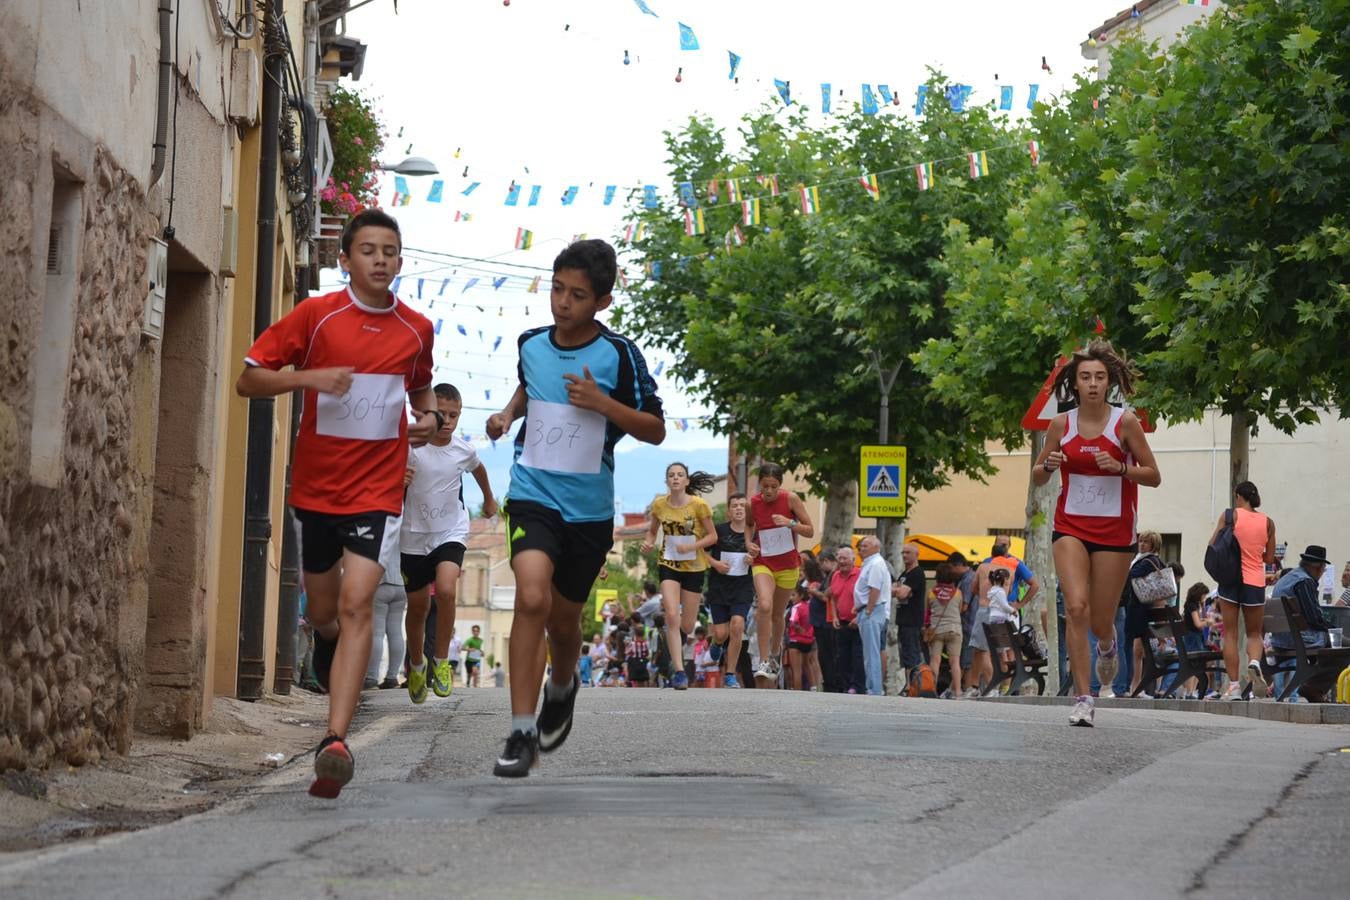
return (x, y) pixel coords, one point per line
(435, 529)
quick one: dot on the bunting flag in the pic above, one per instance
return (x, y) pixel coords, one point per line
(421, 282)
(693, 222)
(487, 394)
(735, 64)
(534, 195)
(784, 91)
(401, 197)
(920, 99)
(957, 94)
(869, 183)
(524, 239)
(645, 8)
(569, 195)
(687, 197)
(885, 91)
(470, 189)
(712, 191)
(460, 329)
(634, 232)
(869, 102)
(750, 212)
(660, 365)
(1035, 150)
(434, 195)
(733, 191)
(1033, 90)
(649, 199)
(772, 181)
(496, 343)
(534, 285)
(581, 236)
(810, 199)
(393, 288)
(923, 173)
(979, 164)
(1197, 2)
(735, 237)
(1005, 97)
(498, 282)
(824, 96)
(470, 283)
(687, 39)
(439, 322)
(623, 279)
(610, 190)
(512, 194)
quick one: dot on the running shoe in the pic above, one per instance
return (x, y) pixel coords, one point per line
(1082, 712)
(1260, 690)
(323, 658)
(369, 683)
(715, 652)
(730, 681)
(417, 682)
(679, 681)
(521, 755)
(333, 768)
(442, 678)
(555, 718)
(388, 684)
(1107, 664)
(1234, 691)
(765, 668)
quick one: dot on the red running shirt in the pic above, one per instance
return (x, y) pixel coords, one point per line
(352, 450)
(762, 513)
(1094, 506)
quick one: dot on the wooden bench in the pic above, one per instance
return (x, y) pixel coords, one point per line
(1181, 664)
(1002, 637)
(1313, 667)
(1157, 665)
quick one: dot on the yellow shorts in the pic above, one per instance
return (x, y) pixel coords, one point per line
(784, 578)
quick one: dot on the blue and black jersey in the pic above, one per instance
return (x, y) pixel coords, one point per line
(619, 369)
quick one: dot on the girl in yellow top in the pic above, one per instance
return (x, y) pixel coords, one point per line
(686, 526)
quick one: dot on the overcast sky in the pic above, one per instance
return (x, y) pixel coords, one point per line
(540, 85)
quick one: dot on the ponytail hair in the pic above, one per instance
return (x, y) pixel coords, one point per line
(1120, 372)
(699, 482)
(1247, 491)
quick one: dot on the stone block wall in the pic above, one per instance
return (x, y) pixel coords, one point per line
(74, 557)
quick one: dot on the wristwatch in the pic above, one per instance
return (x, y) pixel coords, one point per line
(440, 419)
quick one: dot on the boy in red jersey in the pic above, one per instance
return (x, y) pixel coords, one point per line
(358, 355)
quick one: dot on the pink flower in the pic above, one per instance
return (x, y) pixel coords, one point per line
(358, 142)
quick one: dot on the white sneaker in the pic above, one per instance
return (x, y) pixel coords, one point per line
(765, 669)
(1082, 712)
(1260, 690)
(1232, 692)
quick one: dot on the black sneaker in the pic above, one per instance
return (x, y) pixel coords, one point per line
(521, 755)
(323, 658)
(555, 719)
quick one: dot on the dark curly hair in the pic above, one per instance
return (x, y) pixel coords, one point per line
(699, 482)
(1119, 372)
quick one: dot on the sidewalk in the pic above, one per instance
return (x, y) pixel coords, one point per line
(1265, 710)
(161, 779)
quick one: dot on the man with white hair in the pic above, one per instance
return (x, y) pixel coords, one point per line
(872, 605)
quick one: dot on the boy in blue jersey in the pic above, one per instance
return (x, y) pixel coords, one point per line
(582, 388)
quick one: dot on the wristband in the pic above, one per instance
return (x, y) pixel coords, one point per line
(1046, 467)
(1124, 467)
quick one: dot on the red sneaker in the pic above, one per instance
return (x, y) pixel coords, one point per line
(333, 768)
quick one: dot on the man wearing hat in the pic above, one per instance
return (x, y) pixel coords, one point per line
(1301, 583)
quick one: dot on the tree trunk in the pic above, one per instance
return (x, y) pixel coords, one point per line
(841, 506)
(895, 674)
(1239, 443)
(1040, 559)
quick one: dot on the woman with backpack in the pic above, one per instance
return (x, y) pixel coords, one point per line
(1102, 456)
(1255, 534)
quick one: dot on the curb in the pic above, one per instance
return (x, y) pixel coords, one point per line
(1265, 710)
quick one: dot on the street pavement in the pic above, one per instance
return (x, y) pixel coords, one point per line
(706, 793)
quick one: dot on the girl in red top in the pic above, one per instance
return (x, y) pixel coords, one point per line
(1102, 455)
(777, 519)
(1255, 533)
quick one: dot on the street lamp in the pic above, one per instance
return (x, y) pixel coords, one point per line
(414, 165)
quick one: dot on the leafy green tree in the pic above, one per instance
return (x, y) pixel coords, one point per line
(791, 337)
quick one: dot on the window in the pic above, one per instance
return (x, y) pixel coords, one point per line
(51, 357)
(1171, 547)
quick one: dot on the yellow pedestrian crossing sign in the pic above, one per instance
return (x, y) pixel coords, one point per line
(881, 482)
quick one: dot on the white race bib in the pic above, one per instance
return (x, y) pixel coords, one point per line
(739, 562)
(560, 437)
(776, 541)
(673, 544)
(1093, 495)
(370, 411)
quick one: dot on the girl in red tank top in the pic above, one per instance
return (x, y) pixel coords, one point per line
(1102, 457)
(777, 519)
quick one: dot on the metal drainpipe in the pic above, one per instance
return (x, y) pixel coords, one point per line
(258, 465)
(288, 604)
(161, 144)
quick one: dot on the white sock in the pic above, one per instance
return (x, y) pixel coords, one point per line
(417, 667)
(438, 660)
(556, 692)
(523, 723)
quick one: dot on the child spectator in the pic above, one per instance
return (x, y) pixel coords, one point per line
(703, 661)
(942, 622)
(586, 666)
(637, 654)
(802, 644)
(1000, 610)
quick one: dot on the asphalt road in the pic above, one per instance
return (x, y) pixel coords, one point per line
(752, 794)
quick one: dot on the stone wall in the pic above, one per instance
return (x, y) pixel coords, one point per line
(73, 558)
